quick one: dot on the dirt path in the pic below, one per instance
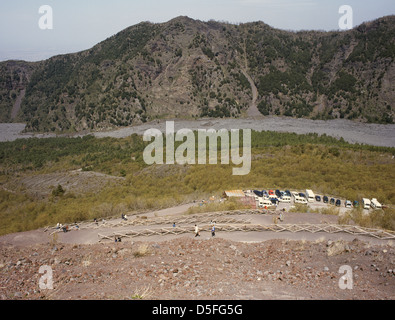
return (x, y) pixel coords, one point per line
(253, 111)
(88, 233)
(17, 105)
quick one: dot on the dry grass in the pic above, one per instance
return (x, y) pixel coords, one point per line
(384, 219)
(300, 208)
(361, 173)
(142, 251)
(142, 293)
(86, 262)
(330, 210)
(230, 204)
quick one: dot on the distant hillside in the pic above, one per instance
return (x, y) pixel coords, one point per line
(187, 68)
(14, 77)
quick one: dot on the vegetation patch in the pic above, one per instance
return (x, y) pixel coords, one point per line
(279, 160)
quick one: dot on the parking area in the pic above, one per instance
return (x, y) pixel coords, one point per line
(285, 200)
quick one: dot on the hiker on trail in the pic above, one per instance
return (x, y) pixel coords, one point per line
(174, 224)
(197, 232)
(213, 231)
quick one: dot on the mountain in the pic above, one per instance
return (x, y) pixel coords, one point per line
(187, 68)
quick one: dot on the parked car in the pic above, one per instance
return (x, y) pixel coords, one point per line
(325, 199)
(317, 198)
(265, 194)
(300, 200)
(274, 200)
(355, 204)
(262, 203)
(278, 193)
(332, 201)
(366, 203)
(302, 195)
(285, 198)
(348, 204)
(271, 192)
(338, 203)
(288, 193)
(310, 195)
(258, 193)
(375, 204)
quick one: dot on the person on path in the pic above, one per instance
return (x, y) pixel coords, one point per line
(213, 231)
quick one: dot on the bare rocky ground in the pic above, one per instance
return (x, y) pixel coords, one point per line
(240, 266)
(75, 182)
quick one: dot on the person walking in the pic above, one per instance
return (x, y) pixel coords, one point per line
(213, 231)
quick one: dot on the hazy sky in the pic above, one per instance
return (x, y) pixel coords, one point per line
(79, 25)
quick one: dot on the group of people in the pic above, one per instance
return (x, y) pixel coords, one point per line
(66, 228)
(197, 231)
(61, 226)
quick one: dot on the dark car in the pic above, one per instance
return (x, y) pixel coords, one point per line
(274, 200)
(325, 199)
(317, 198)
(278, 193)
(355, 204)
(288, 193)
(258, 193)
(332, 201)
(338, 203)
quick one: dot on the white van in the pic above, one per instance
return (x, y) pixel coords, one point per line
(366, 203)
(375, 204)
(310, 195)
(285, 198)
(294, 194)
(299, 199)
(262, 202)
